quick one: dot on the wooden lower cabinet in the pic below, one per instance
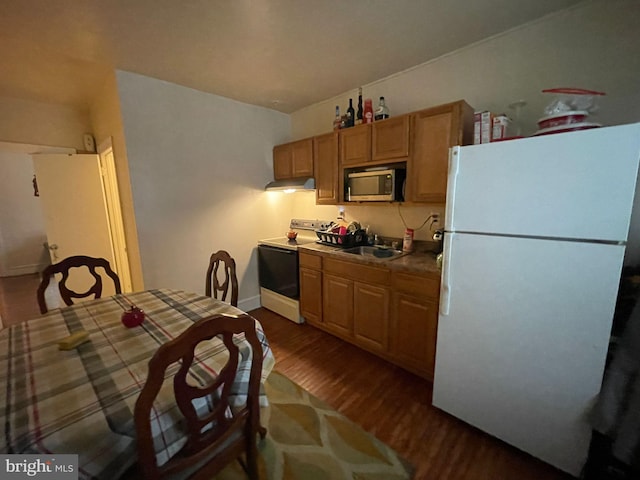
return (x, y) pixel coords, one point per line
(371, 316)
(310, 275)
(337, 305)
(414, 325)
(311, 295)
(414, 321)
(391, 314)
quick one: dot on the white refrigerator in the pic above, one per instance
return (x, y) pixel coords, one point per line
(535, 235)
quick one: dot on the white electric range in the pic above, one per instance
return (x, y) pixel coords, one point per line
(278, 268)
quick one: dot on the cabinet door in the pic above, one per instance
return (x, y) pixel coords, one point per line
(434, 131)
(414, 327)
(390, 138)
(325, 153)
(371, 316)
(282, 162)
(302, 158)
(311, 295)
(355, 145)
(337, 304)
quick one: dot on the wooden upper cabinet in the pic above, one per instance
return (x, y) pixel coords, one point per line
(434, 131)
(302, 158)
(325, 154)
(282, 164)
(293, 160)
(355, 145)
(390, 138)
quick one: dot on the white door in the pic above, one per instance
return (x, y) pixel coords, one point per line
(73, 205)
(523, 333)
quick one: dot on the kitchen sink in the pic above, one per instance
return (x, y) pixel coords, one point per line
(376, 252)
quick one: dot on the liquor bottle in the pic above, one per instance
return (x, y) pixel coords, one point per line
(359, 112)
(337, 119)
(368, 111)
(350, 114)
(382, 111)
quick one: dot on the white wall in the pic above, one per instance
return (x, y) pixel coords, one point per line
(39, 123)
(106, 122)
(594, 45)
(22, 230)
(198, 165)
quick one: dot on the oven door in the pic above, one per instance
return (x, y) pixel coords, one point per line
(278, 270)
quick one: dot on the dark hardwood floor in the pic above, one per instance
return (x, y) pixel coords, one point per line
(388, 402)
(18, 298)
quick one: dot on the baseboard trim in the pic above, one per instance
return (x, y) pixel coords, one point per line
(24, 270)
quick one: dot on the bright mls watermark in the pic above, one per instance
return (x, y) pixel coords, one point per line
(52, 467)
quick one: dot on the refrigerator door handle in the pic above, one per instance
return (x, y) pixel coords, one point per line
(452, 178)
(445, 287)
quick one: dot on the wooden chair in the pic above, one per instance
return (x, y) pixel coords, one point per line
(220, 435)
(213, 285)
(64, 268)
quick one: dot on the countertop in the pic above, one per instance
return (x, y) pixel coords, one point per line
(420, 261)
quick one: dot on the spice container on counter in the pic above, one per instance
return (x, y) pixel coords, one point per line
(407, 240)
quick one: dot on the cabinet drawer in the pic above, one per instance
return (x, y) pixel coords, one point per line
(309, 260)
(355, 271)
(418, 285)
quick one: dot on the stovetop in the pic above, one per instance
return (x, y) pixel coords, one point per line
(306, 234)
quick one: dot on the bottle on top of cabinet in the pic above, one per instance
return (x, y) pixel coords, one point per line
(368, 111)
(337, 120)
(359, 112)
(382, 111)
(351, 113)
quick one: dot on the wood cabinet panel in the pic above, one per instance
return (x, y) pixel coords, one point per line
(355, 145)
(311, 295)
(282, 162)
(390, 138)
(434, 131)
(427, 286)
(393, 314)
(302, 158)
(357, 271)
(325, 154)
(371, 316)
(293, 160)
(337, 304)
(309, 260)
(414, 325)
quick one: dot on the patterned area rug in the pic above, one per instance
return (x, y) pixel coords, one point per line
(308, 440)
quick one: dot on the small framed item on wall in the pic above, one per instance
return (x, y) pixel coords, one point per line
(89, 143)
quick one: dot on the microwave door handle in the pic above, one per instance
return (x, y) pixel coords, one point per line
(349, 193)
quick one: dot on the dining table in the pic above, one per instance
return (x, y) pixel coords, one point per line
(81, 401)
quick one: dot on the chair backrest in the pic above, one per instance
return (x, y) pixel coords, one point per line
(64, 267)
(220, 434)
(230, 284)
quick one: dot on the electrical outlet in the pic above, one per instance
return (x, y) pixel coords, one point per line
(435, 218)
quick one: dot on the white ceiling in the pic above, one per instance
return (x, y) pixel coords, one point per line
(281, 54)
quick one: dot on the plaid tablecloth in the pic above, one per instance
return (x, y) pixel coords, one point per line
(81, 401)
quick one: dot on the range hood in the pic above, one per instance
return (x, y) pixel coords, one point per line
(291, 184)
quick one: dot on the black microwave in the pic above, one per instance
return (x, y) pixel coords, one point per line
(376, 185)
